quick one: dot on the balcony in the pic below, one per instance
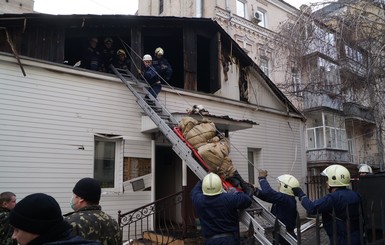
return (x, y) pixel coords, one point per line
(328, 156)
(351, 66)
(321, 99)
(355, 111)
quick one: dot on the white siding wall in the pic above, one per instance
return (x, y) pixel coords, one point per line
(48, 114)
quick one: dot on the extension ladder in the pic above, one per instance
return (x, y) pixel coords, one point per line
(257, 216)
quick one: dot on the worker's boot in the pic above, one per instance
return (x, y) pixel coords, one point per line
(247, 188)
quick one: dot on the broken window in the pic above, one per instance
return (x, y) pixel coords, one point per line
(135, 167)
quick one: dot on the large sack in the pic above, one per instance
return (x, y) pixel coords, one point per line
(201, 133)
(224, 142)
(216, 157)
(186, 124)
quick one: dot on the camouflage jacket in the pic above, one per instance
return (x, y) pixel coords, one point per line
(92, 223)
(6, 229)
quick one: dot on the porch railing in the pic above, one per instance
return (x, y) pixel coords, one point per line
(161, 222)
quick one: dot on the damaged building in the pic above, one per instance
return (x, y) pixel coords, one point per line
(61, 122)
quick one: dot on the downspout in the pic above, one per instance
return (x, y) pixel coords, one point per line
(198, 8)
(184, 196)
(153, 170)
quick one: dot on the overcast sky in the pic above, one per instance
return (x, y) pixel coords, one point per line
(86, 6)
(106, 6)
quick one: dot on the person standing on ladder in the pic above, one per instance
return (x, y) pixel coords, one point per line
(151, 76)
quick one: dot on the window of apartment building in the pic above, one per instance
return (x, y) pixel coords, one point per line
(326, 130)
(264, 65)
(353, 54)
(295, 77)
(261, 16)
(324, 76)
(161, 6)
(241, 8)
(106, 160)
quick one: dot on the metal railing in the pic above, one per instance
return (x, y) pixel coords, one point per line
(169, 219)
(371, 217)
(161, 222)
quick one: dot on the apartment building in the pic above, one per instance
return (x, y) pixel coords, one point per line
(341, 75)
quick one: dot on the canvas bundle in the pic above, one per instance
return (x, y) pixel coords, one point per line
(201, 133)
(186, 124)
(216, 157)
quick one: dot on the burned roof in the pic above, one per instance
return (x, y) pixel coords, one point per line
(76, 24)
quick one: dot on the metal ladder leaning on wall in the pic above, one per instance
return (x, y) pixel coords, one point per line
(257, 216)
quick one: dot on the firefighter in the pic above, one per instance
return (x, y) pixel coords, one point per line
(340, 205)
(218, 210)
(284, 204)
(121, 61)
(161, 65)
(91, 58)
(107, 54)
(365, 169)
(151, 76)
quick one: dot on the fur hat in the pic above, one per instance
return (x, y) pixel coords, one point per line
(88, 189)
(37, 213)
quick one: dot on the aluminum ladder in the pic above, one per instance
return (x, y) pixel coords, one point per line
(257, 216)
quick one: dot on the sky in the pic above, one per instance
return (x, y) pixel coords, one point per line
(106, 6)
(86, 6)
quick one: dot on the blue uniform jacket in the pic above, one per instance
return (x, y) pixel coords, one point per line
(162, 67)
(284, 206)
(150, 75)
(219, 214)
(340, 200)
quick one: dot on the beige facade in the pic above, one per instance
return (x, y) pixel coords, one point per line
(16, 6)
(252, 24)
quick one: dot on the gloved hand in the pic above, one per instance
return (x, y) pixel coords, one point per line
(248, 188)
(256, 192)
(298, 192)
(262, 174)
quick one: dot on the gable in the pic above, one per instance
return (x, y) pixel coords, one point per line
(261, 94)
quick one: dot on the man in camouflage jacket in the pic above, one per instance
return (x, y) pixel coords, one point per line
(88, 220)
(7, 203)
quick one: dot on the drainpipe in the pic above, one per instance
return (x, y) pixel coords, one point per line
(153, 170)
(184, 173)
(198, 8)
(184, 197)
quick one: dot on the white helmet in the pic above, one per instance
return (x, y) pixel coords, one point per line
(287, 183)
(121, 51)
(212, 185)
(159, 51)
(147, 57)
(365, 168)
(337, 175)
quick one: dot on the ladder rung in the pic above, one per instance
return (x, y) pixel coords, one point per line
(268, 227)
(256, 210)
